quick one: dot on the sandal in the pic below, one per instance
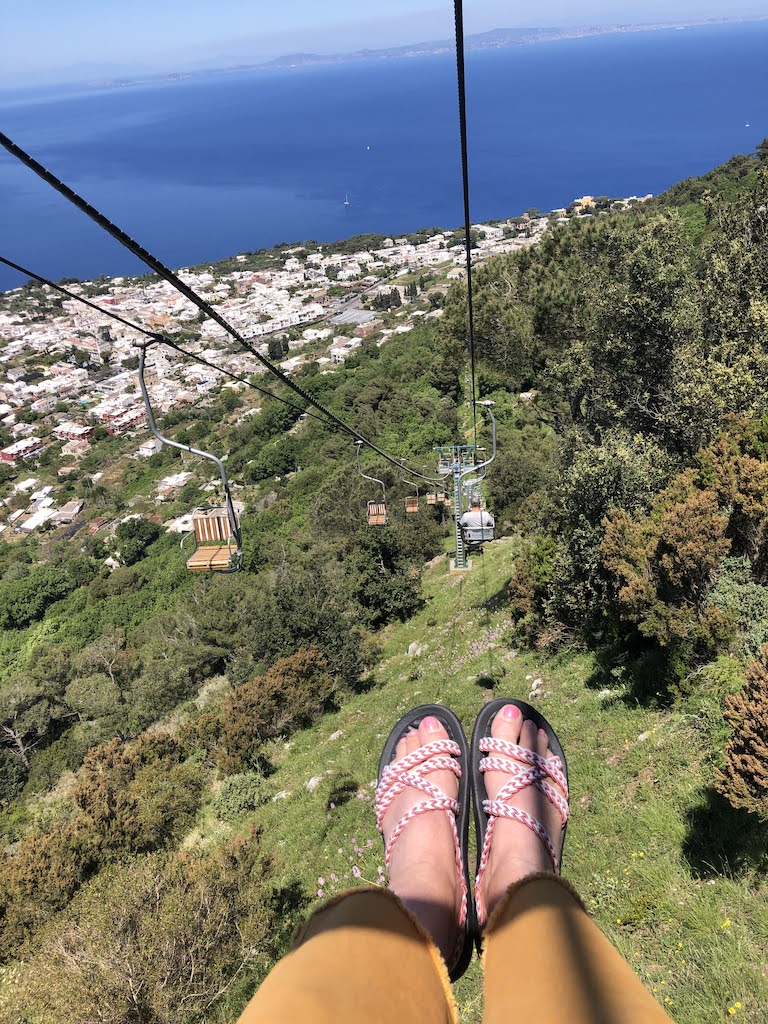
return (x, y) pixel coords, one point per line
(451, 754)
(527, 768)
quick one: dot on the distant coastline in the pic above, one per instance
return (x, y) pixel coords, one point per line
(495, 39)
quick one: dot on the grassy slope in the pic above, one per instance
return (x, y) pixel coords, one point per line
(669, 874)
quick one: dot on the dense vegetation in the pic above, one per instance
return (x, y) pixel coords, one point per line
(627, 360)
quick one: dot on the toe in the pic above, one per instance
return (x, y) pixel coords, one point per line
(507, 723)
(402, 748)
(542, 745)
(529, 736)
(412, 741)
(431, 729)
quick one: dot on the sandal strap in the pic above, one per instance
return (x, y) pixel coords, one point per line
(539, 769)
(409, 771)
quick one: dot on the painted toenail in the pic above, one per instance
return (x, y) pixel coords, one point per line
(510, 711)
(430, 723)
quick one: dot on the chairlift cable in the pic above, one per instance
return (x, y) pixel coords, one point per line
(175, 281)
(459, 20)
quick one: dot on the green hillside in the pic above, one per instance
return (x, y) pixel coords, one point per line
(187, 762)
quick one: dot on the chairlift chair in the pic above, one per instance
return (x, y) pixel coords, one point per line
(214, 541)
(377, 513)
(475, 536)
(377, 510)
(218, 545)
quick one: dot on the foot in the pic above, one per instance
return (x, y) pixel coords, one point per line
(516, 851)
(422, 868)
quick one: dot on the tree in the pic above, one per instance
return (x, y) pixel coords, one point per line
(275, 348)
(133, 537)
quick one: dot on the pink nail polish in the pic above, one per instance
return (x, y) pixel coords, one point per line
(430, 723)
(510, 712)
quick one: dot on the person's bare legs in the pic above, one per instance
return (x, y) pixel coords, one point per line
(515, 850)
(422, 869)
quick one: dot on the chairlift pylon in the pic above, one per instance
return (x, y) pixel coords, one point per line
(218, 544)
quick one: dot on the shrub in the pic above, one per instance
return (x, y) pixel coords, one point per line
(295, 692)
(240, 794)
(744, 780)
(160, 941)
(128, 799)
(137, 797)
(746, 601)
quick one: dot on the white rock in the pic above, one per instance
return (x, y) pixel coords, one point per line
(415, 649)
(282, 795)
(315, 781)
(336, 735)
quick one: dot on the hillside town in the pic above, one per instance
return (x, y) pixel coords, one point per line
(68, 371)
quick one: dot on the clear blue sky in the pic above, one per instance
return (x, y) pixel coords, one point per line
(52, 39)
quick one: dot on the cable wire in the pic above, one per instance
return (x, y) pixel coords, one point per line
(458, 8)
(175, 281)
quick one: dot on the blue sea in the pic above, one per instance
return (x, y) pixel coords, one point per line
(201, 169)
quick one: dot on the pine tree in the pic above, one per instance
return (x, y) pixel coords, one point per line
(744, 782)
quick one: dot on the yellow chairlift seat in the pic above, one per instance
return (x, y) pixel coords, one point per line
(431, 499)
(215, 544)
(441, 498)
(377, 513)
(210, 558)
(411, 505)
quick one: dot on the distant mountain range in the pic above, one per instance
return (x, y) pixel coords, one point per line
(496, 39)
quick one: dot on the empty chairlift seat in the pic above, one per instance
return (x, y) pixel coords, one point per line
(377, 513)
(215, 546)
(411, 505)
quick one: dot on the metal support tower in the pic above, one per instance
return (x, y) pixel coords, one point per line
(458, 460)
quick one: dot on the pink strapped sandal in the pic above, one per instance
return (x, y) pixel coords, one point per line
(395, 776)
(526, 768)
